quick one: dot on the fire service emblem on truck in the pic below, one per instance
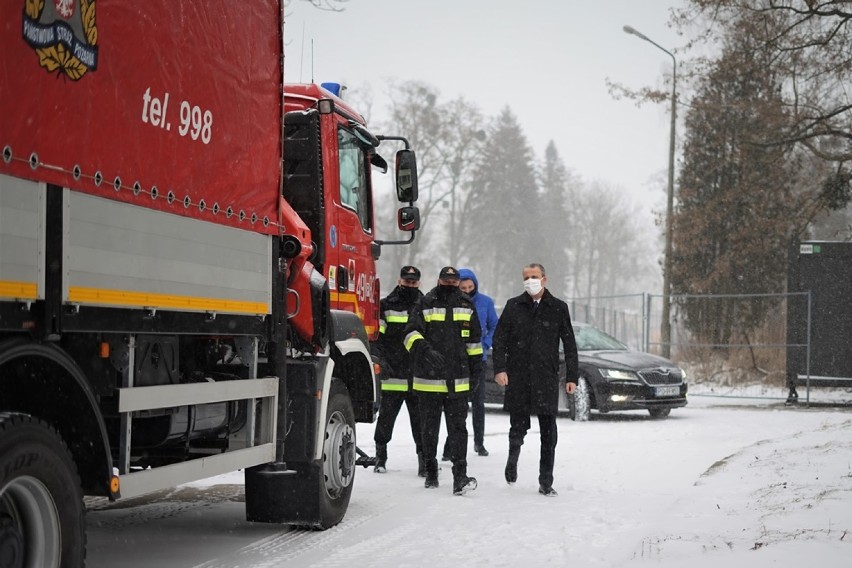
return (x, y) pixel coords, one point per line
(63, 35)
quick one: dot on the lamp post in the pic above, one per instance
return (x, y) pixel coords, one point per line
(666, 325)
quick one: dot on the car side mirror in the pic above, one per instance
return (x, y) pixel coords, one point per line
(406, 176)
(408, 219)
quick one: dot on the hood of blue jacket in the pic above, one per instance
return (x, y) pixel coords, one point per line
(467, 274)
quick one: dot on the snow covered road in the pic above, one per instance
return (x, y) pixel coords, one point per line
(747, 485)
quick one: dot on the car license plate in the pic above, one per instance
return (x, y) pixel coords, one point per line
(667, 391)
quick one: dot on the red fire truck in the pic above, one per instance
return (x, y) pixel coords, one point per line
(187, 266)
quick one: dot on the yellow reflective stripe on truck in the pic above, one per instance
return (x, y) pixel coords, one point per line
(123, 298)
(352, 298)
(18, 290)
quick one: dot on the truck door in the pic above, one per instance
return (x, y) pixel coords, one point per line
(351, 268)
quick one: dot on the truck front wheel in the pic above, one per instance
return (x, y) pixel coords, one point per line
(42, 515)
(338, 456)
(313, 494)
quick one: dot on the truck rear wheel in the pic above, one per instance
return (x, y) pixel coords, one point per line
(42, 515)
(338, 456)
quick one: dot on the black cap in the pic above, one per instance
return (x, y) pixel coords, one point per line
(410, 273)
(449, 273)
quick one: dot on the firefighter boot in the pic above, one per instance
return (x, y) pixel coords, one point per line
(381, 458)
(421, 465)
(461, 482)
(431, 474)
(512, 464)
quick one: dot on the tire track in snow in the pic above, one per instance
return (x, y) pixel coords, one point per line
(294, 543)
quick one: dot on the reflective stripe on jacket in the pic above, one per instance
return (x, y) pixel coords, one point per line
(444, 321)
(389, 347)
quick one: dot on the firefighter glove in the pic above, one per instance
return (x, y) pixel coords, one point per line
(434, 360)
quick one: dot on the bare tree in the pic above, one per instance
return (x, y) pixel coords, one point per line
(808, 44)
(330, 5)
(447, 137)
(609, 253)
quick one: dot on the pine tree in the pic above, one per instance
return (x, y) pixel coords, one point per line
(557, 222)
(505, 232)
(733, 218)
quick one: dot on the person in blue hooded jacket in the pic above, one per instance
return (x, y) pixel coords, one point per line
(484, 304)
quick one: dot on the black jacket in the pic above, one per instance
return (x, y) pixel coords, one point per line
(389, 348)
(444, 321)
(526, 346)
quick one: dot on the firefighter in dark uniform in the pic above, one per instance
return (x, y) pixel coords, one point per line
(396, 367)
(443, 335)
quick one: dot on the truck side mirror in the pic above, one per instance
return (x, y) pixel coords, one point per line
(406, 178)
(408, 219)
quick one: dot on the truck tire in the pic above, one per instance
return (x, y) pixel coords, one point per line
(311, 494)
(42, 514)
(338, 457)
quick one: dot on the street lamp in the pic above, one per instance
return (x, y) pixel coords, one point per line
(666, 324)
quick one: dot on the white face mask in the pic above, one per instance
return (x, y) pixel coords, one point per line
(532, 286)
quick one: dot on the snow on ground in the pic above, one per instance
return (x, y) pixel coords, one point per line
(733, 482)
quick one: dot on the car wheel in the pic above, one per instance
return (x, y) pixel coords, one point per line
(659, 412)
(582, 407)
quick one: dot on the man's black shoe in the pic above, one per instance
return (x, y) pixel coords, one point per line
(431, 482)
(511, 472)
(463, 484)
(421, 466)
(547, 490)
(445, 458)
(480, 450)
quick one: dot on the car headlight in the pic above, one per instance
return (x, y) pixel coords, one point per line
(682, 374)
(619, 375)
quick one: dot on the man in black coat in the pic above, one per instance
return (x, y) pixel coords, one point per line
(444, 338)
(526, 362)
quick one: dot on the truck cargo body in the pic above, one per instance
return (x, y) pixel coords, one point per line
(165, 311)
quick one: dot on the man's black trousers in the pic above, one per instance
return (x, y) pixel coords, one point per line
(519, 424)
(455, 409)
(389, 409)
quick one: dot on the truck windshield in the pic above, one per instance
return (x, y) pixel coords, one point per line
(354, 184)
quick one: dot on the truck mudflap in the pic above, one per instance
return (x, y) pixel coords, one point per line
(313, 494)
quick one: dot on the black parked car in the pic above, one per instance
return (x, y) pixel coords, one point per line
(612, 377)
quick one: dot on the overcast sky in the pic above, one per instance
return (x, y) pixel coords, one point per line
(547, 60)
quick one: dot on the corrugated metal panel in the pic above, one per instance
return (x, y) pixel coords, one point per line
(122, 255)
(22, 213)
